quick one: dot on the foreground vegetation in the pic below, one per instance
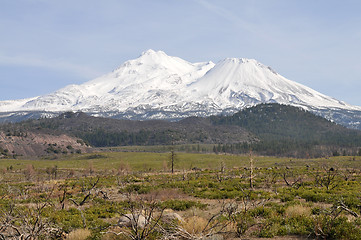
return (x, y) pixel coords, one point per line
(134, 195)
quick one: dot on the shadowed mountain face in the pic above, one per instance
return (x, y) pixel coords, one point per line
(158, 86)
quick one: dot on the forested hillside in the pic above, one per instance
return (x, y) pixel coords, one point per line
(267, 129)
(289, 130)
(102, 132)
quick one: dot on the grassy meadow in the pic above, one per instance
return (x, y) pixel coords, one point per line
(154, 161)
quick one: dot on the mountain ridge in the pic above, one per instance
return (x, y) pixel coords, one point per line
(158, 86)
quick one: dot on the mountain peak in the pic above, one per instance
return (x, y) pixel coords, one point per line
(238, 60)
(152, 52)
(156, 85)
(151, 57)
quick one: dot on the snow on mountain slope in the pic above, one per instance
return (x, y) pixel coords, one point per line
(245, 82)
(156, 85)
(12, 105)
(154, 79)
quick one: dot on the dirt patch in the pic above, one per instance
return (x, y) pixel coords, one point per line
(39, 144)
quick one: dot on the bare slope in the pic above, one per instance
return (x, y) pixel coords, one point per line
(38, 144)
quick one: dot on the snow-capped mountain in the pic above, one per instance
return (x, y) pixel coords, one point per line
(153, 79)
(156, 85)
(241, 83)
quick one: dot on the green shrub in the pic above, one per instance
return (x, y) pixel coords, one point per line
(67, 219)
(261, 212)
(287, 194)
(243, 222)
(270, 229)
(287, 198)
(181, 205)
(300, 225)
(315, 196)
(328, 227)
(138, 188)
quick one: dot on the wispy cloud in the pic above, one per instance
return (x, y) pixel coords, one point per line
(228, 15)
(258, 28)
(53, 64)
(235, 19)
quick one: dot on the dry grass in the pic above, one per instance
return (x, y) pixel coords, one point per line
(111, 236)
(79, 234)
(194, 224)
(297, 211)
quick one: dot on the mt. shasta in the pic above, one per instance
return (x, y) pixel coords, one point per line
(158, 86)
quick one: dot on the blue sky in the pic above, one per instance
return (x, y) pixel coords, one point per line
(46, 45)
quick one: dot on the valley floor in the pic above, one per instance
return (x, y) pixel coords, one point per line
(134, 195)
